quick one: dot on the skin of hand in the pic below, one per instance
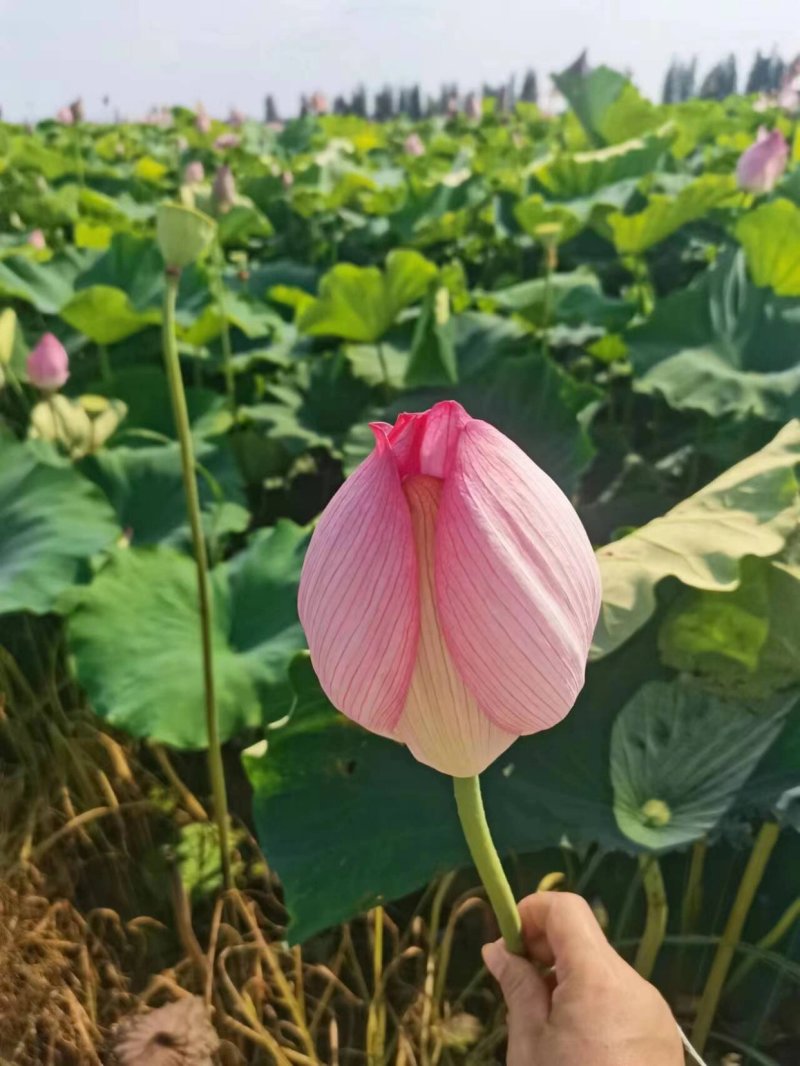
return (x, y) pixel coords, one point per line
(589, 1006)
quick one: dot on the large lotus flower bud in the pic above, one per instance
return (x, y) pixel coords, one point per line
(449, 593)
(413, 145)
(223, 190)
(48, 364)
(193, 173)
(761, 166)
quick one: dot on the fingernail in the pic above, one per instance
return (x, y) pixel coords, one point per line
(494, 958)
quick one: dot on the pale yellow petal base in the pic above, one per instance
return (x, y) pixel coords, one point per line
(441, 723)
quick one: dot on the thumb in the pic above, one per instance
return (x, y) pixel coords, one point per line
(526, 994)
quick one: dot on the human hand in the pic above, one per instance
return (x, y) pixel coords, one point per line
(594, 1008)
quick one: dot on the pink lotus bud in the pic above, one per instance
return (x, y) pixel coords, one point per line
(236, 118)
(761, 166)
(223, 190)
(789, 99)
(36, 239)
(48, 364)
(64, 116)
(473, 108)
(318, 103)
(228, 140)
(193, 173)
(287, 179)
(413, 145)
(202, 121)
(449, 593)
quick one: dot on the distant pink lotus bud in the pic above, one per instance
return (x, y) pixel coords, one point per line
(318, 103)
(413, 145)
(228, 140)
(181, 143)
(789, 99)
(65, 116)
(449, 594)
(274, 127)
(193, 173)
(473, 108)
(223, 190)
(76, 107)
(202, 120)
(48, 364)
(287, 179)
(236, 118)
(761, 166)
(37, 240)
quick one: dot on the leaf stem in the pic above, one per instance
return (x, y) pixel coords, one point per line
(657, 912)
(182, 425)
(748, 886)
(225, 332)
(484, 854)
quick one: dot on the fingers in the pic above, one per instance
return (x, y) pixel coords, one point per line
(524, 991)
(560, 930)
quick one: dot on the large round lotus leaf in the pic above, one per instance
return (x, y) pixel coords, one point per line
(135, 638)
(679, 756)
(53, 520)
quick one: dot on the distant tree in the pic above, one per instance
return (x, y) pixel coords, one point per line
(340, 106)
(358, 102)
(384, 104)
(776, 73)
(758, 78)
(679, 83)
(720, 80)
(305, 107)
(415, 104)
(270, 110)
(530, 88)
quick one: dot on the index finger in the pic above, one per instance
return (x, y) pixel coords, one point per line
(559, 929)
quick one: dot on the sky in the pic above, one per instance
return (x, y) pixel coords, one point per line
(232, 52)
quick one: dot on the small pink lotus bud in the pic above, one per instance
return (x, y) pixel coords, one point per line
(223, 190)
(64, 116)
(318, 104)
(236, 118)
(193, 173)
(413, 145)
(287, 179)
(202, 120)
(759, 168)
(48, 364)
(228, 140)
(36, 239)
(473, 108)
(789, 99)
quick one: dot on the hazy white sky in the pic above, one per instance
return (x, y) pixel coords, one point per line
(231, 52)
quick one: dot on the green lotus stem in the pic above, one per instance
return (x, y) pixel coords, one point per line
(487, 862)
(768, 941)
(181, 415)
(387, 385)
(105, 364)
(693, 896)
(657, 913)
(748, 886)
(225, 334)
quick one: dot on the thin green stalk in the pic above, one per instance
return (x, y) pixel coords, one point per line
(769, 940)
(693, 896)
(748, 886)
(484, 855)
(225, 335)
(387, 385)
(657, 912)
(182, 425)
(105, 364)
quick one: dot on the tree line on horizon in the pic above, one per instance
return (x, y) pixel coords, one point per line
(768, 74)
